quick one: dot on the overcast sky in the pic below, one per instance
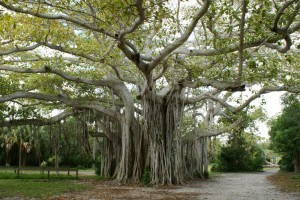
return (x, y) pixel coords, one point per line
(272, 108)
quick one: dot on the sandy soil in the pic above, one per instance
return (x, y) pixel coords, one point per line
(240, 186)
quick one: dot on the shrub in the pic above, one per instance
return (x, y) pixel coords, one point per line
(98, 167)
(239, 155)
(286, 163)
(146, 176)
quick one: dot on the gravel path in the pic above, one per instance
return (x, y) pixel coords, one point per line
(243, 186)
(231, 186)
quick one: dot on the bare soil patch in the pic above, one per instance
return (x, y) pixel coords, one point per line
(245, 186)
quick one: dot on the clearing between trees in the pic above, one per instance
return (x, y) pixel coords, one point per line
(224, 186)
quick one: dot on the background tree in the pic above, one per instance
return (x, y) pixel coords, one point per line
(285, 133)
(241, 152)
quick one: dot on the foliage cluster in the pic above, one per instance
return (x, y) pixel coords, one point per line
(240, 154)
(73, 148)
(146, 177)
(286, 163)
(36, 176)
(285, 133)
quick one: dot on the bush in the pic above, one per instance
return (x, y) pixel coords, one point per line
(82, 161)
(146, 176)
(206, 175)
(98, 167)
(286, 163)
(239, 155)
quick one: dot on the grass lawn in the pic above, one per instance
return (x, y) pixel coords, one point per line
(286, 181)
(270, 169)
(37, 185)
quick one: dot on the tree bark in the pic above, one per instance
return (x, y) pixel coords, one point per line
(297, 162)
(159, 143)
(107, 159)
(162, 122)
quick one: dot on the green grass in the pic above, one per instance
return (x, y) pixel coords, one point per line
(270, 168)
(297, 177)
(10, 175)
(36, 185)
(36, 188)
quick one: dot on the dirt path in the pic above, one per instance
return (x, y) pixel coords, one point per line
(240, 186)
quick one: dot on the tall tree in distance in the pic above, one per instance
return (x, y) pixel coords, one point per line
(285, 132)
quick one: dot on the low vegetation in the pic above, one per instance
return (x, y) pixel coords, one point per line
(241, 153)
(38, 188)
(286, 181)
(35, 176)
(36, 185)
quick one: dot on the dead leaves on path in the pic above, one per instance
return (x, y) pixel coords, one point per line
(286, 181)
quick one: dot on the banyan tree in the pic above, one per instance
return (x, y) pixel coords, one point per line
(141, 67)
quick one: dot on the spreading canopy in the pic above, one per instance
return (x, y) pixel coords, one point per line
(142, 63)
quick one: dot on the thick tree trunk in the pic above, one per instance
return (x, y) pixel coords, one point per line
(126, 163)
(106, 158)
(160, 143)
(57, 141)
(37, 144)
(297, 162)
(162, 127)
(139, 149)
(194, 158)
(205, 157)
(173, 118)
(110, 146)
(20, 152)
(95, 149)
(125, 168)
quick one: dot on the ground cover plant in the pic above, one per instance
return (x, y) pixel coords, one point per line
(38, 188)
(35, 176)
(286, 181)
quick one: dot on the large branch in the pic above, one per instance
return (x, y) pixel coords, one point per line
(62, 74)
(267, 41)
(6, 42)
(85, 24)
(117, 86)
(235, 47)
(71, 51)
(78, 22)
(284, 32)
(241, 41)
(112, 136)
(90, 58)
(58, 98)
(17, 49)
(38, 122)
(262, 91)
(220, 85)
(210, 133)
(280, 13)
(180, 41)
(229, 49)
(137, 22)
(202, 97)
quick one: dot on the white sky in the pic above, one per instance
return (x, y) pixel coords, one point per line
(272, 108)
